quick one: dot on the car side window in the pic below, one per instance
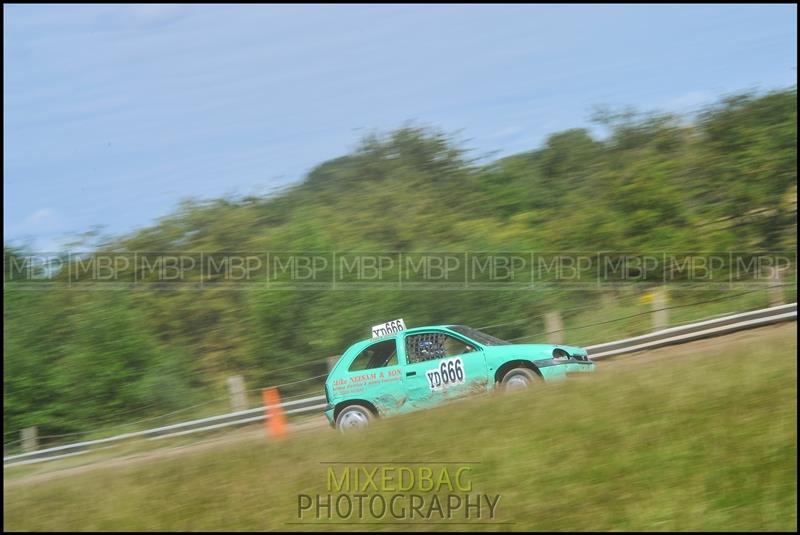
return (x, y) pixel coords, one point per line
(431, 346)
(377, 355)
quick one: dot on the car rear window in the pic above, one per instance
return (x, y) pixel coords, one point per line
(377, 355)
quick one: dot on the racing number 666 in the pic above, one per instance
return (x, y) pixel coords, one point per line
(449, 372)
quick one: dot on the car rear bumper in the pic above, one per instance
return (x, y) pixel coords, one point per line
(329, 413)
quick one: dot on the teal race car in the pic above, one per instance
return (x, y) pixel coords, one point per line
(401, 370)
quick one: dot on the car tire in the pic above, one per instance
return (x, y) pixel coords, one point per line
(353, 417)
(518, 379)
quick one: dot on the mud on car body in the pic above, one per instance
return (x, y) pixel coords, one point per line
(401, 370)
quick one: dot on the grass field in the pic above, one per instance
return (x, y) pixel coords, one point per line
(706, 440)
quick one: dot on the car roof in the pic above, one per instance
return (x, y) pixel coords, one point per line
(413, 330)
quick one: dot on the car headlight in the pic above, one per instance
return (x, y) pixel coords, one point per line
(560, 354)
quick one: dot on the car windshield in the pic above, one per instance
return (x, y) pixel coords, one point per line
(478, 336)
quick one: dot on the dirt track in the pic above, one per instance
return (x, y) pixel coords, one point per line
(690, 349)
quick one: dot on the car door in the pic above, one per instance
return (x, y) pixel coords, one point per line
(374, 375)
(439, 366)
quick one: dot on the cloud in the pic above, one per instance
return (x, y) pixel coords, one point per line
(511, 132)
(690, 101)
(42, 222)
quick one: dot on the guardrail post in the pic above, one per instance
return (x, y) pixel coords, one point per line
(554, 327)
(775, 286)
(30, 439)
(331, 362)
(237, 393)
(659, 308)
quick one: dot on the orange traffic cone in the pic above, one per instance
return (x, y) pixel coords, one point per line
(275, 419)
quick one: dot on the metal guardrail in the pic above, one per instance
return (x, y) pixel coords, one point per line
(184, 428)
(695, 331)
(674, 335)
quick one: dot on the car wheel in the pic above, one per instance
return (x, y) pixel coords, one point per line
(518, 379)
(353, 417)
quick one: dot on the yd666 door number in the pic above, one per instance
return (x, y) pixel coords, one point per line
(449, 372)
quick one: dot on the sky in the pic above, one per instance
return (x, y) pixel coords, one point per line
(113, 114)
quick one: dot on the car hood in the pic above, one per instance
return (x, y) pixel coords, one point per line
(531, 351)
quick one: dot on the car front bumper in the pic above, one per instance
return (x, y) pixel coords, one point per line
(554, 369)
